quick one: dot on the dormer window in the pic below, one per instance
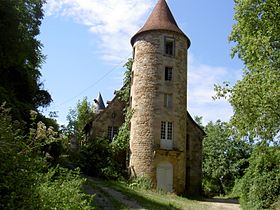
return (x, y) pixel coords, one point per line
(169, 46)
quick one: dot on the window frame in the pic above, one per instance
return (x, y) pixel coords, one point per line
(167, 130)
(168, 73)
(170, 51)
(167, 135)
(112, 131)
(168, 100)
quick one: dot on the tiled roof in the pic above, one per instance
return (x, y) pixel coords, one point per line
(161, 18)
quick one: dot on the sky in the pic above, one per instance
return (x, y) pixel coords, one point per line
(87, 42)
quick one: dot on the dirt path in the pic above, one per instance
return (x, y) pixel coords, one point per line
(104, 202)
(222, 204)
(106, 198)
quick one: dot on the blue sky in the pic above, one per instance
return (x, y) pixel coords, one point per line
(88, 41)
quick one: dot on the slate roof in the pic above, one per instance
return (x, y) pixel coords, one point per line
(161, 18)
(99, 102)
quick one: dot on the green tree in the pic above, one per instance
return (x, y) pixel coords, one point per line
(21, 57)
(79, 117)
(256, 98)
(259, 188)
(224, 158)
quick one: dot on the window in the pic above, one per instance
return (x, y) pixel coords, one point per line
(166, 130)
(166, 135)
(169, 46)
(112, 131)
(168, 73)
(168, 101)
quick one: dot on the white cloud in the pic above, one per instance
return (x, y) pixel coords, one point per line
(114, 21)
(201, 80)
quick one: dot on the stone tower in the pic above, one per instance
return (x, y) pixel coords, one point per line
(159, 101)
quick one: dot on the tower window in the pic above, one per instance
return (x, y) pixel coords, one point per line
(166, 130)
(169, 45)
(166, 135)
(168, 73)
(112, 131)
(168, 100)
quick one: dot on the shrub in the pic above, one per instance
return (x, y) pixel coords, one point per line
(95, 156)
(61, 189)
(26, 179)
(260, 186)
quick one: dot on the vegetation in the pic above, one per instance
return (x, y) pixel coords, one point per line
(256, 99)
(78, 118)
(21, 58)
(27, 179)
(29, 147)
(100, 157)
(150, 199)
(225, 158)
(260, 187)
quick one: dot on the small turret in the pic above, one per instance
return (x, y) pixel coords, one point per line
(99, 102)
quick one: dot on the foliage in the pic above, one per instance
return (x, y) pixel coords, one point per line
(256, 98)
(21, 57)
(100, 157)
(94, 156)
(26, 179)
(69, 196)
(260, 186)
(124, 92)
(141, 182)
(224, 158)
(78, 118)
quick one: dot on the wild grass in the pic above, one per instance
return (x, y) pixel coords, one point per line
(151, 199)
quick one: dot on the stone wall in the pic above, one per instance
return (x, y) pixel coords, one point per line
(147, 101)
(112, 115)
(195, 136)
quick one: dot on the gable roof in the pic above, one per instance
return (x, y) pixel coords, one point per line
(161, 18)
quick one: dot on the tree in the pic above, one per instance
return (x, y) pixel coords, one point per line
(256, 98)
(21, 57)
(224, 158)
(79, 117)
(259, 188)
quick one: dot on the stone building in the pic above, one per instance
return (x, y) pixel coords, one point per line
(165, 142)
(107, 120)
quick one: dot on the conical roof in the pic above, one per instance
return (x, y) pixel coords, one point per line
(99, 102)
(161, 18)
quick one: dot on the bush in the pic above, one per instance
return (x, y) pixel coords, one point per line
(260, 186)
(61, 189)
(26, 180)
(95, 156)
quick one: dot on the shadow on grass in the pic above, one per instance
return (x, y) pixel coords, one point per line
(221, 200)
(211, 199)
(146, 202)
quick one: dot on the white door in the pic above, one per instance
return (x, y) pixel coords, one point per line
(165, 177)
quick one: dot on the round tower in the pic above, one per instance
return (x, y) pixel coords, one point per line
(159, 101)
